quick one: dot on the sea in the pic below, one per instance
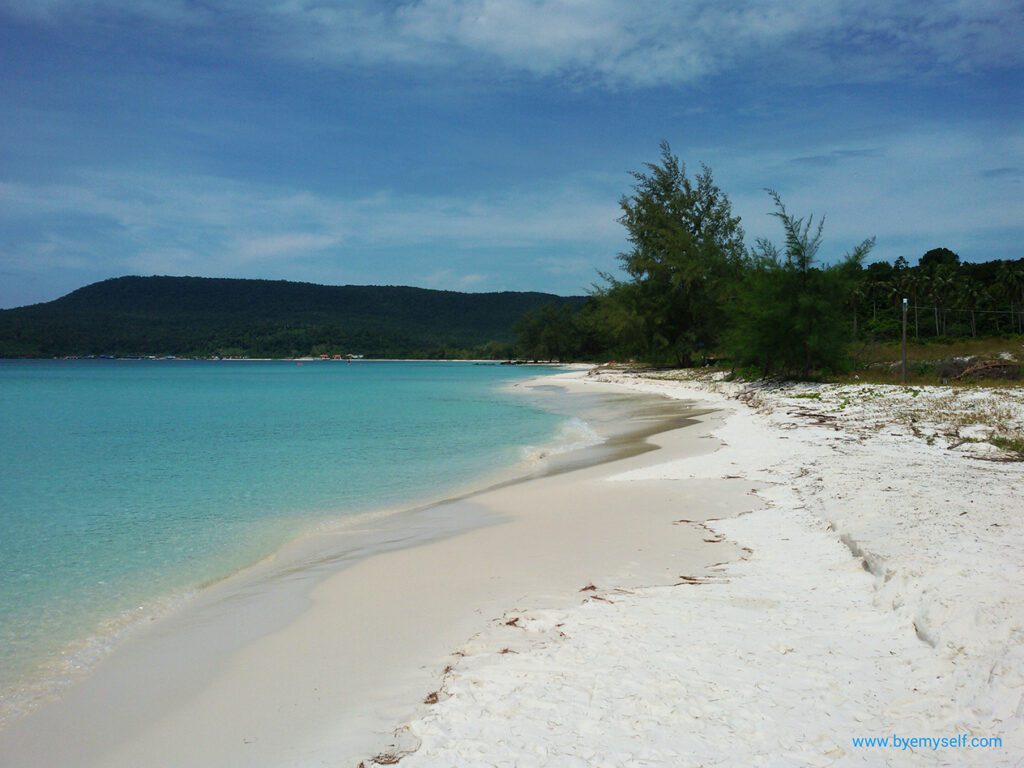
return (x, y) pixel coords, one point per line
(128, 485)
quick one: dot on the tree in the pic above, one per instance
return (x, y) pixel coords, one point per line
(687, 249)
(548, 333)
(1011, 278)
(940, 284)
(857, 294)
(938, 257)
(790, 316)
(969, 295)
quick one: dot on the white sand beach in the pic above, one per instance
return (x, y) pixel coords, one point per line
(312, 658)
(878, 596)
(793, 568)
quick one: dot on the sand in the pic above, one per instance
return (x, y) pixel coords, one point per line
(879, 596)
(803, 566)
(315, 663)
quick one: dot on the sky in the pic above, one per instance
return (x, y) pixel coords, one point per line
(484, 145)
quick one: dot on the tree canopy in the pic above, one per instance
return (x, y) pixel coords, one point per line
(194, 316)
(791, 312)
(686, 249)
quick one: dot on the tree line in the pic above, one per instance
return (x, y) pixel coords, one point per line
(220, 317)
(691, 292)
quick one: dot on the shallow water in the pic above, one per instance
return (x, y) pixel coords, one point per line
(127, 484)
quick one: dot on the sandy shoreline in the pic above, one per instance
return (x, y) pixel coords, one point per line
(802, 566)
(879, 596)
(322, 668)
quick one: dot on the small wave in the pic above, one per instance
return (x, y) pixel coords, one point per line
(573, 435)
(77, 659)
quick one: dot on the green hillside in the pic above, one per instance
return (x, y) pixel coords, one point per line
(195, 316)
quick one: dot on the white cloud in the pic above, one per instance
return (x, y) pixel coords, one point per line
(162, 224)
(272, 246)
(914, 190)
(652, 42)
(447, 279)
(642, 42)
(934, 185)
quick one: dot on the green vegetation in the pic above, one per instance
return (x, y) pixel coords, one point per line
(192, 316)
(690, 294)
(687, 250)
(1011, 444)
(789, 312)
(940, 361)
(694, 295)
(929, 350)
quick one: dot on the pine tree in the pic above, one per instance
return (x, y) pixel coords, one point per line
(687, 249)
(790, 315)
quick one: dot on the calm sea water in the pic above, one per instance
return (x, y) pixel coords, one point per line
(124, 482)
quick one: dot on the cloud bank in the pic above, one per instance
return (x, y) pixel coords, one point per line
(599, 42)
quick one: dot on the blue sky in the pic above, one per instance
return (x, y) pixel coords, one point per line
(484, 144)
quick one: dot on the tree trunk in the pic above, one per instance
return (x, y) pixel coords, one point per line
(974, 328)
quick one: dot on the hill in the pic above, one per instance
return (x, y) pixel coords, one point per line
(197, 316)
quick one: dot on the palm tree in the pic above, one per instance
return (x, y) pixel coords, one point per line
(1011, 277)
(970, 295)
(873, 289)
(940, 285)
(992, 297)
(856, 297)
(927, 282)
(889, 292)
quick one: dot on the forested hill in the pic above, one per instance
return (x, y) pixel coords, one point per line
(195, 316)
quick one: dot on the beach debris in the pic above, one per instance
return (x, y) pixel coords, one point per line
(972, 368)
(589, 588)
(384, 758)
(690, 580)
(431, 698)
(503, 651)
(513, 622)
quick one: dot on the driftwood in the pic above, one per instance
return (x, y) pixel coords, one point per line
(991, 369)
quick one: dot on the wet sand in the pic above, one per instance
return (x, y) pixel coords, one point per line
(314, 656)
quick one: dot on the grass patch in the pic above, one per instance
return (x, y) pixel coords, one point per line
(921, 379)
(1013, 444)
(928, 362)
(931, 351)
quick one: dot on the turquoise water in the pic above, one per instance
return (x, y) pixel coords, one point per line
(127, 481)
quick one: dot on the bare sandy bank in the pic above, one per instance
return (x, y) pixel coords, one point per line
(315, 665)
(878, 599)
